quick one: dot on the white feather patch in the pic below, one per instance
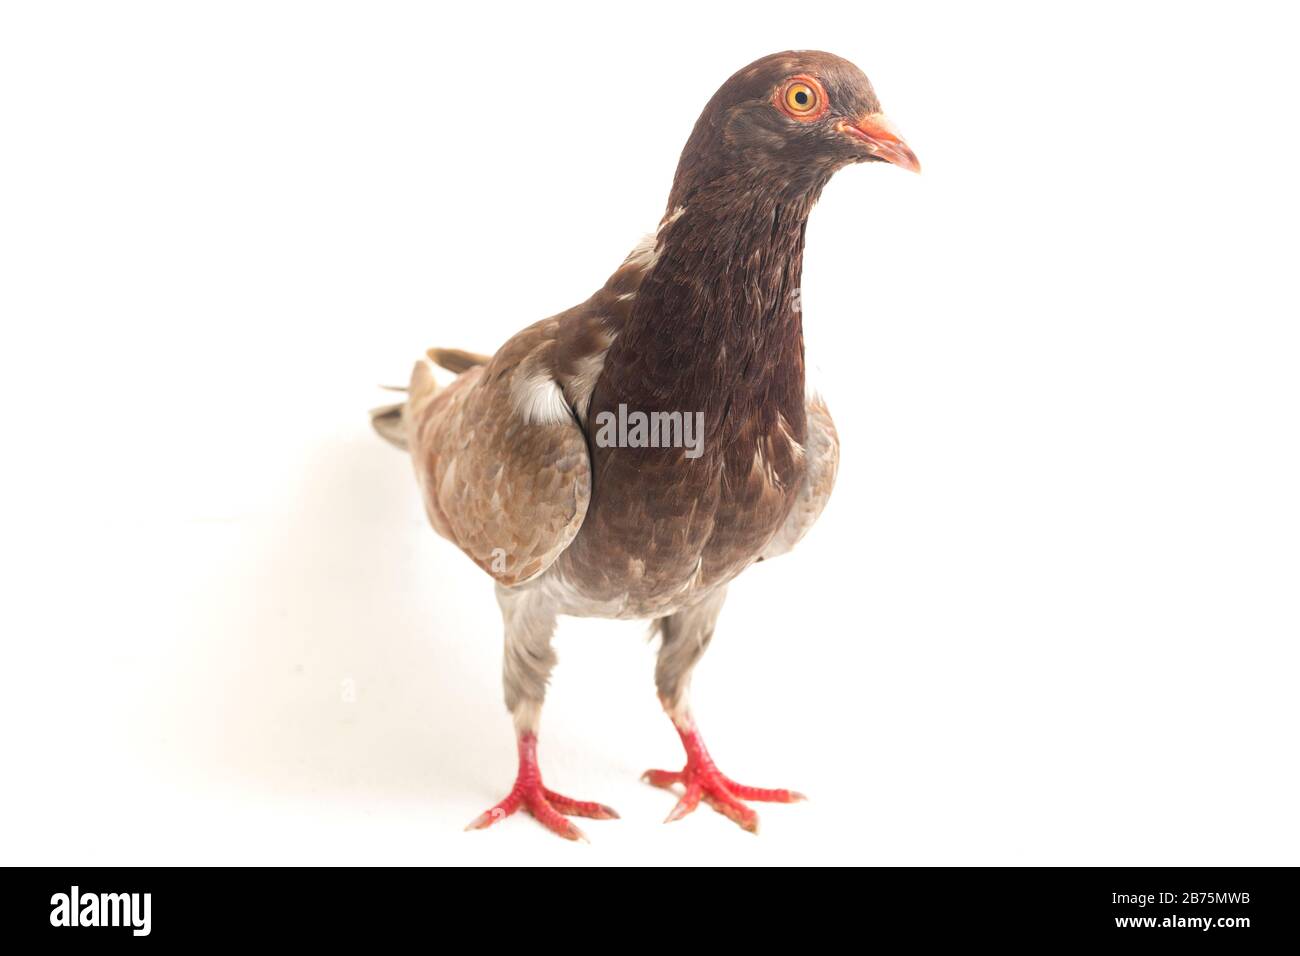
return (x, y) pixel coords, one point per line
(646, 253)
(539, 400)
(784, 427)
(584, 382)
(643, 253)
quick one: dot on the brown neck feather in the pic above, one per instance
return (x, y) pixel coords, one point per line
(716, 324)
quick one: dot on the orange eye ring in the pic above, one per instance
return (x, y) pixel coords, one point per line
(802, 98)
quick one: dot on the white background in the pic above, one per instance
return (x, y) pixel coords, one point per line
(1050, 616)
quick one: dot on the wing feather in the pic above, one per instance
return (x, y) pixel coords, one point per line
(507, 485)
(822, 453)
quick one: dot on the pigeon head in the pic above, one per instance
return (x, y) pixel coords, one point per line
(783, 125)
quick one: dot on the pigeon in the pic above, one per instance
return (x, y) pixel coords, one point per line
(628, 457)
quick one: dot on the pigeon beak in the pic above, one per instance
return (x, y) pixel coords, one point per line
(877, 134)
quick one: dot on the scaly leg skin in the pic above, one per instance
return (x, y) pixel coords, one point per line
(702, 780)
(546, 806)
(529, 619)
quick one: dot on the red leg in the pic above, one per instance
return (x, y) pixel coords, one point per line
(702, 780)
(547, 806)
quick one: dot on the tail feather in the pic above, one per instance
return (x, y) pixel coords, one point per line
(457, 360)
(390, 420)
(390, 423)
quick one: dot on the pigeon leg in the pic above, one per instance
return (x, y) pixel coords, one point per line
(546, 806)
(685, 635)
(529, 658)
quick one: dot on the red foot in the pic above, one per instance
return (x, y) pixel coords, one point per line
(546, 806)
(704, 781)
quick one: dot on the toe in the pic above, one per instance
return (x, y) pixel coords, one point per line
(732, 809)
(686, 804)
(662, 778)
(553, 820)
(763, 794)
(498, 813)
(579, 808)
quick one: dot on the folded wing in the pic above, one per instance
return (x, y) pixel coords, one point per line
(501, 461)
(822, 451)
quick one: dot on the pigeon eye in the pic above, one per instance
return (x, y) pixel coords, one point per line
(802, 98)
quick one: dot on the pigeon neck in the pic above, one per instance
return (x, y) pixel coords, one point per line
(719, 308)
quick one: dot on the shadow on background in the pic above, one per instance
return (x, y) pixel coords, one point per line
(339, 647)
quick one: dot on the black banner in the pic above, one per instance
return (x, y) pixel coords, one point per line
(1225, 907)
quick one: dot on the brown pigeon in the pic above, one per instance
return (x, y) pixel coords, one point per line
(628, 457)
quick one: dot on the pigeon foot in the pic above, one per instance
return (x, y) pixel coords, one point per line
(702, 780)
(545, 806)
